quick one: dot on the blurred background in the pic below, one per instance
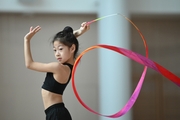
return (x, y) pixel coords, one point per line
(104, 79)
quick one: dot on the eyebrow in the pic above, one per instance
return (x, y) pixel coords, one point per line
(58, 46)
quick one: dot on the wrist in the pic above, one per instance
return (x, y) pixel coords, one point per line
(77, 33)
(26, 41)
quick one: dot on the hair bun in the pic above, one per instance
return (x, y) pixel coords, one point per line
(68, 29)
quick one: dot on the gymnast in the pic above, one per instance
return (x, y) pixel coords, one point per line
(65, 46)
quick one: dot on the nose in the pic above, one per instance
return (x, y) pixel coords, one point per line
(57, 53)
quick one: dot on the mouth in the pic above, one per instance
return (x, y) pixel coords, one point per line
(59, 59)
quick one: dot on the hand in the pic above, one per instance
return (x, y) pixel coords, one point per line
(32, 32)
(84, 27)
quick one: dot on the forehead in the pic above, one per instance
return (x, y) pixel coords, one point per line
(57, 44)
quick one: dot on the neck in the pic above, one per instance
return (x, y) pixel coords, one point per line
(71, 61)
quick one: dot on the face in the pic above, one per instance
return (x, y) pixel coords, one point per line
(62, 53)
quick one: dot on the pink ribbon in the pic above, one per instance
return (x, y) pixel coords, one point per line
(132, 55)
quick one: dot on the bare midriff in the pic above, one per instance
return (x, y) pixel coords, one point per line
(50, 98)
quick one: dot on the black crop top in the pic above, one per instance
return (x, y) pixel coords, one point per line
(54, 86)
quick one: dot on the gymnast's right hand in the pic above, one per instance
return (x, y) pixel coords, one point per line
(31, 32)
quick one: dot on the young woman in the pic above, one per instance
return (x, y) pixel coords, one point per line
(65, 46)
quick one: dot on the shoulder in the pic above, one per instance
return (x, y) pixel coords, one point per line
(61, 68)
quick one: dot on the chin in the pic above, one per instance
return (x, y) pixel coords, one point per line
(62, 62)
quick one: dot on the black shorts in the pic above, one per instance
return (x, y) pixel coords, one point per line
(57, 112)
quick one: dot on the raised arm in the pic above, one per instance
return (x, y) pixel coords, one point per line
(29, 62)
(84, 27)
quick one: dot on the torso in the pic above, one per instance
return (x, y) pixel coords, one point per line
(50, 98)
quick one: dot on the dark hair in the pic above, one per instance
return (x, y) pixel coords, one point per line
(67, 38)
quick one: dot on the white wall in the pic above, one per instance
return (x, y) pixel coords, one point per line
(88, 6)
(20, 88)
(48, 6)
(154, 6)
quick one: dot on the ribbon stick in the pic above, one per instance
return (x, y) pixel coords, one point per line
(101, 18)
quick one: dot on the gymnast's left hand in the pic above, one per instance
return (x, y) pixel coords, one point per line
(32, 32)
(84, 27)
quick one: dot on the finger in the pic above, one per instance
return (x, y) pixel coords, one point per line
(87, 26)
(31, 28)
(83, 24)
(36, 29)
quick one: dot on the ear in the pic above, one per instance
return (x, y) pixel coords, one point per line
(73, 48)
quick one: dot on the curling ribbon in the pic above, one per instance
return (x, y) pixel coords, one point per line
(132, 55)
(134, 96)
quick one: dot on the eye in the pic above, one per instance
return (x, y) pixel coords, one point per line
(54, 50)
(60, 48)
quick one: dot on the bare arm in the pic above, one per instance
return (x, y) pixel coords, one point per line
(84, 27)
(43, 67)
(29, 62)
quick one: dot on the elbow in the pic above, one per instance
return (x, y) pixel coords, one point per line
(28, 65)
